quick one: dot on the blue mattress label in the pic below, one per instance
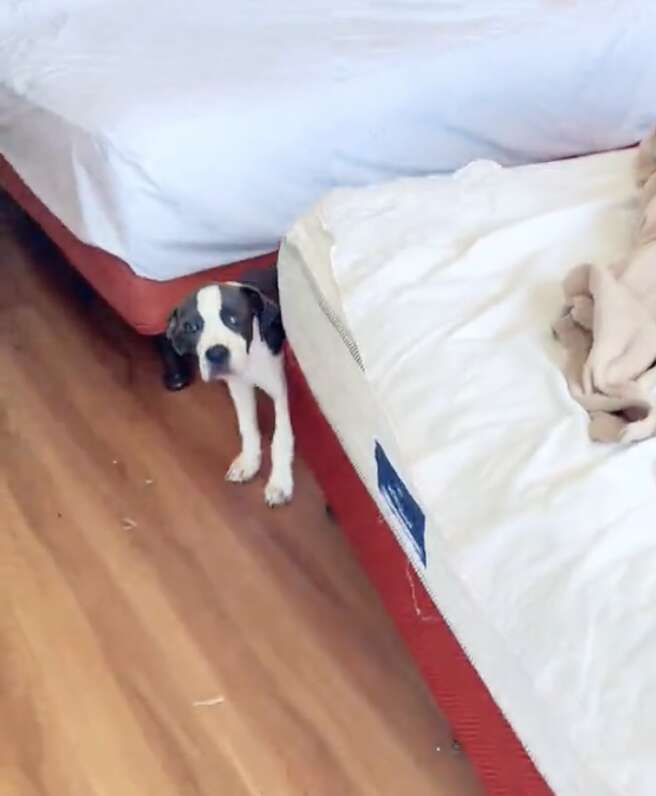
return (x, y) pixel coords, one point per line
(404, 507)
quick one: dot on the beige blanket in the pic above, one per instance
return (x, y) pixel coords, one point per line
(608, 327)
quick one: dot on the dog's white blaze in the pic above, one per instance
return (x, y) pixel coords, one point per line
(215, 332)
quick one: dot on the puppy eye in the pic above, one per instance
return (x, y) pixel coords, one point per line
(231, 320)
(189, 327)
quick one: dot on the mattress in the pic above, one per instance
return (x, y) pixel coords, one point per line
(420, 313)
(182, 134)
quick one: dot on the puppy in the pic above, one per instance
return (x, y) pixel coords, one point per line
(236, 333)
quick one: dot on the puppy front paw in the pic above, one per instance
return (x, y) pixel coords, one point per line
(278, 492)
(243, 469)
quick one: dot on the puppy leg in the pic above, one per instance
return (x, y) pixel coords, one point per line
(247, 464)
(280, 486)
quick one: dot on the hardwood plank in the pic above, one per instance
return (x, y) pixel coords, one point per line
(138, 586)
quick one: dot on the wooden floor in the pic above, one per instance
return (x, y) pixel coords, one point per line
(162, 633)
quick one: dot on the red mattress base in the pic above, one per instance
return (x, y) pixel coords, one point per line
(496, 753)
(143, 303)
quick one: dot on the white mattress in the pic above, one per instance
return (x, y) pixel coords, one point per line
(183, 134)
(420, 312)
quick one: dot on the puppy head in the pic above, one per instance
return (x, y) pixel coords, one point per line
(217, 324)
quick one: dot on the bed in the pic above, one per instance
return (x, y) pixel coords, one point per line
(174, 136)
(429, 398)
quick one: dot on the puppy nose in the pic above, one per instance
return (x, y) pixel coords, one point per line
(217, 355)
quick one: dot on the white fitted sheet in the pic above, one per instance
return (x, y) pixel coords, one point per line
(420, 313)
(183, 134)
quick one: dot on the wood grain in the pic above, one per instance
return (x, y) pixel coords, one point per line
(137, 586)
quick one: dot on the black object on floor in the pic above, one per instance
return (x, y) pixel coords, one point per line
(176, 370)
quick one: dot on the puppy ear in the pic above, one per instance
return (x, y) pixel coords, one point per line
(178, 340)
(268, 317)
(172, 324)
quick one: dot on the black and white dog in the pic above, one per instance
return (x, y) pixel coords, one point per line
(235, 330)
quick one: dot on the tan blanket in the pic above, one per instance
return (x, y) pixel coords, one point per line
(608, 327)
